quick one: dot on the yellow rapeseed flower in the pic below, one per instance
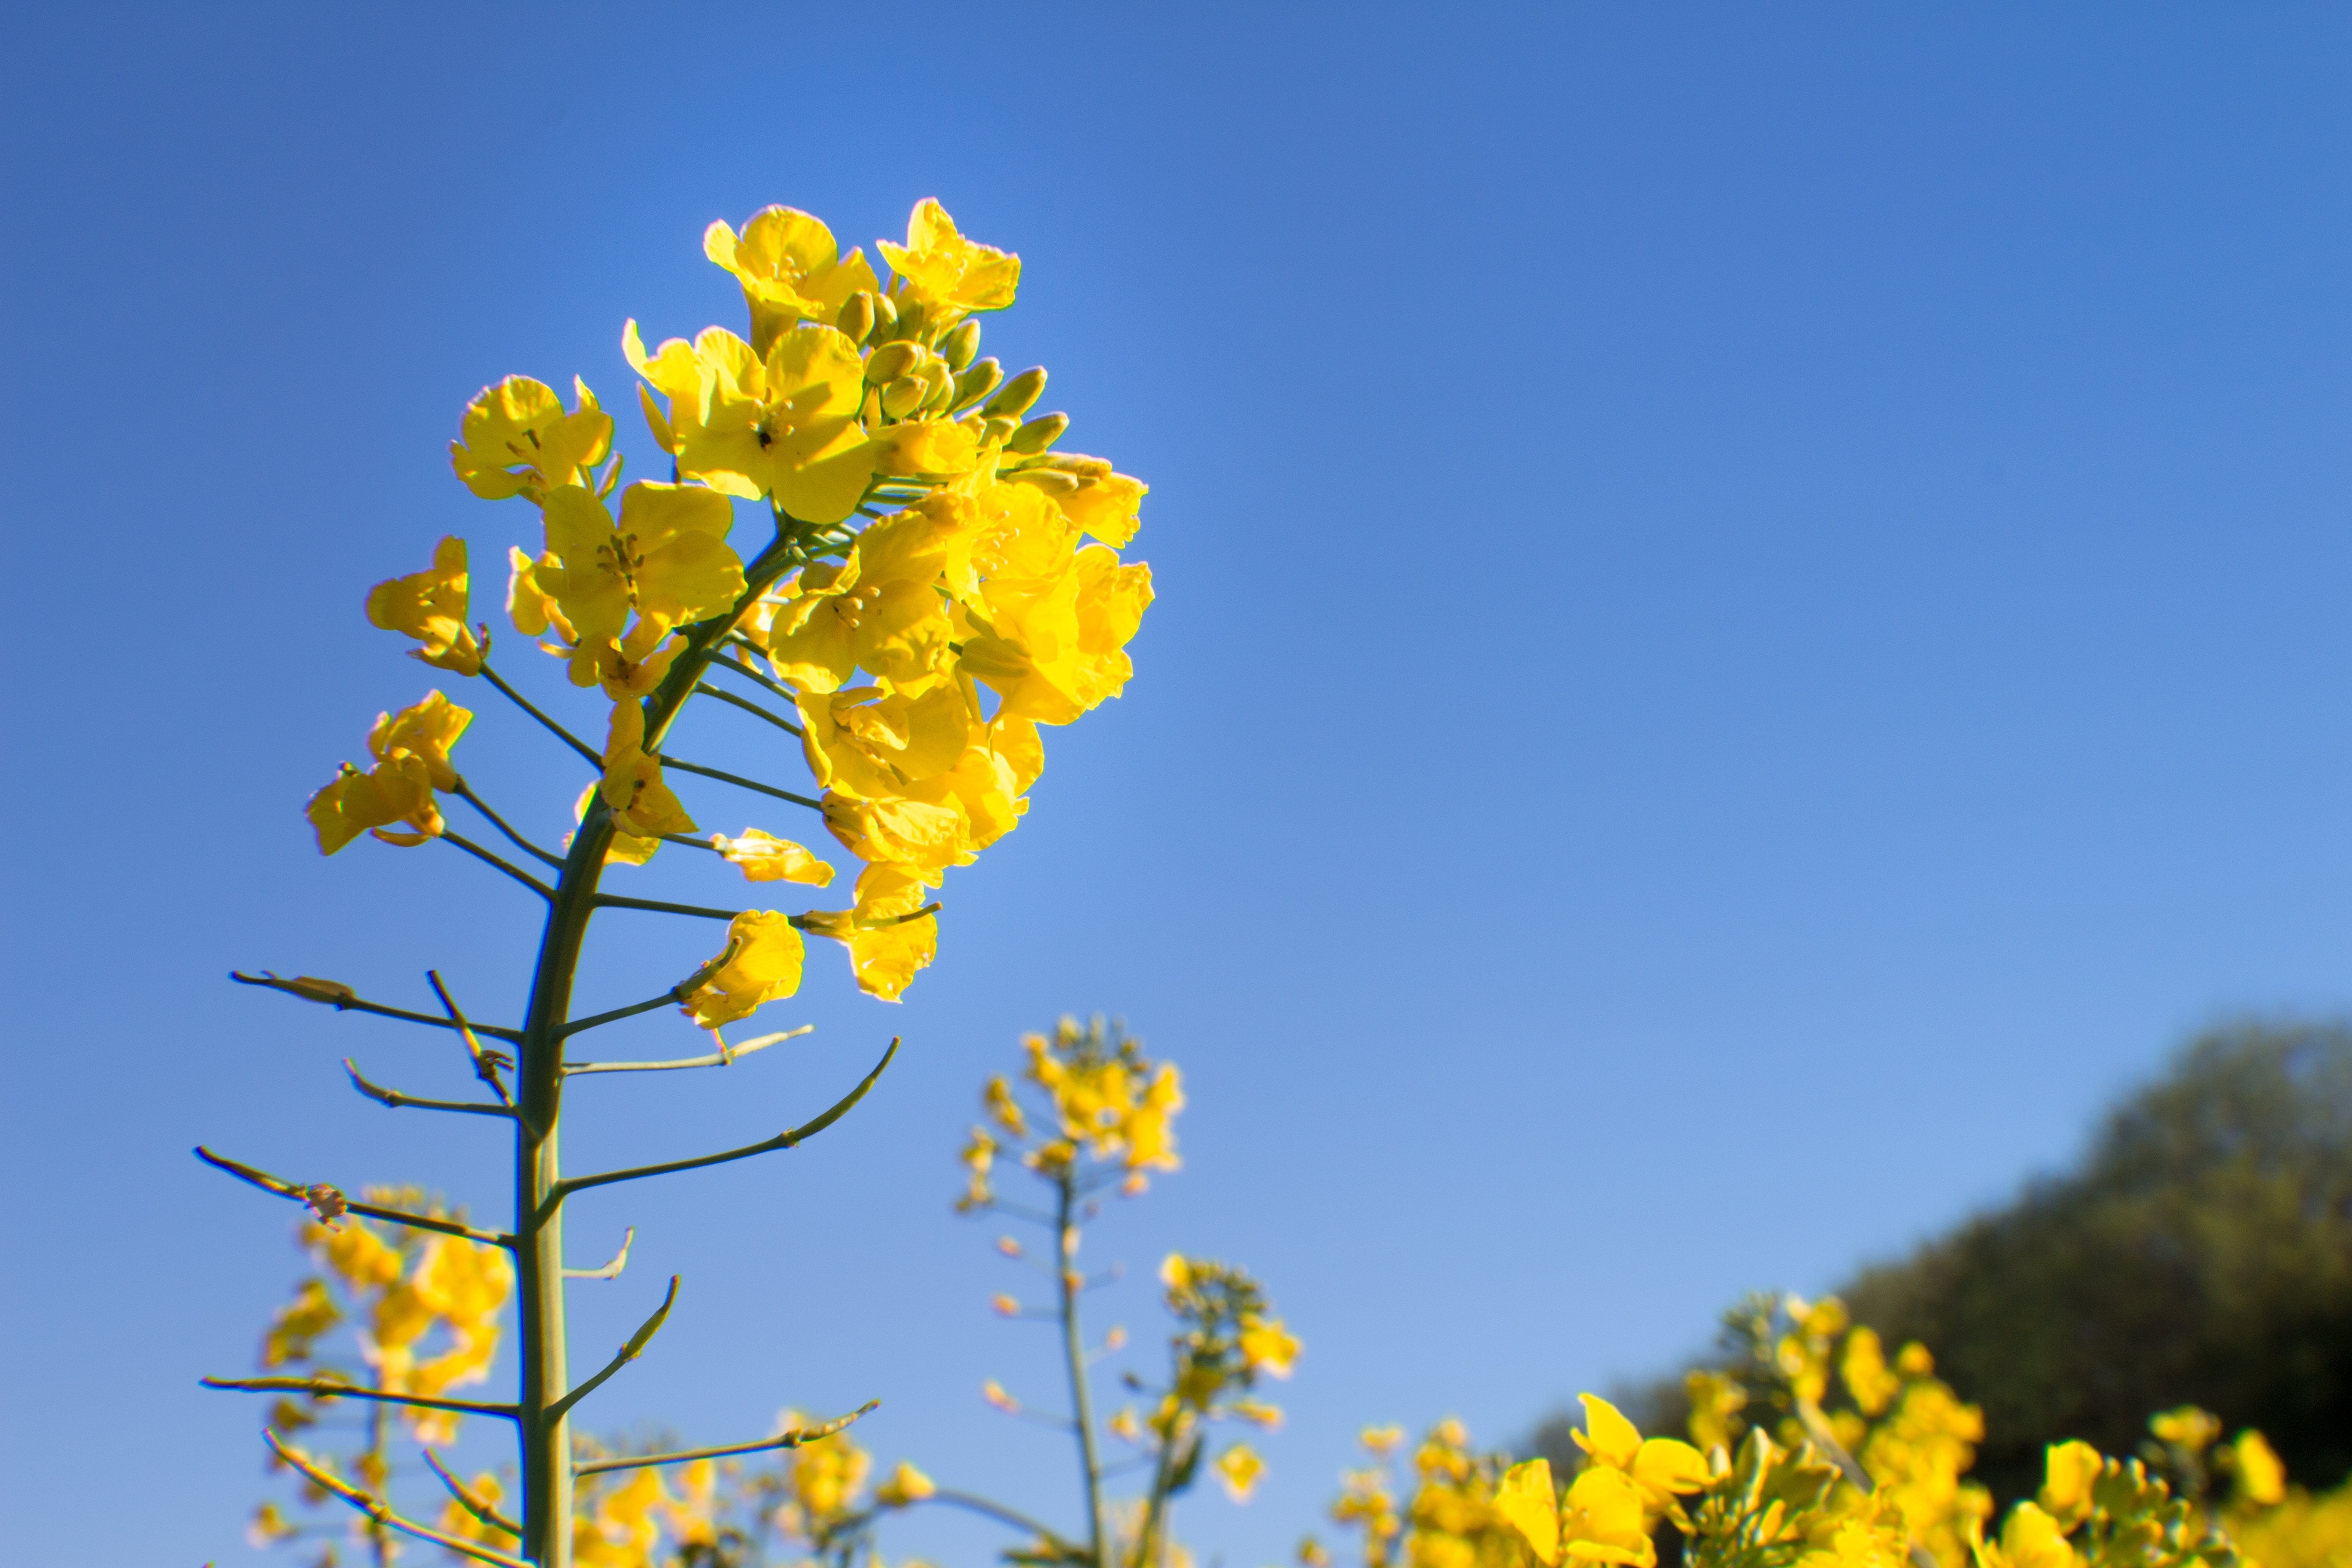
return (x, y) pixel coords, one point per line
(666, 558)
(783, 424)
(516, 440)
(791, 270)
(766, 966)
(939, 267)
(430, 606)
(1240, 1469)
(762, 857)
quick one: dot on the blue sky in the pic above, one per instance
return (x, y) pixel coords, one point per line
(1750, 625)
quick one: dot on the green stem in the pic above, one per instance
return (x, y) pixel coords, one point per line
(546, 1439)
(747, 705)
(1073, 1351)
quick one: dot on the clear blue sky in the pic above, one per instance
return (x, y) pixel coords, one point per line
(1752, 622)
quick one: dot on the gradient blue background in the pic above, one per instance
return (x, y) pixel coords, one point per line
(1752, 622)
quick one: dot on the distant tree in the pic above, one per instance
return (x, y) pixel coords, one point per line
(2200, 1252)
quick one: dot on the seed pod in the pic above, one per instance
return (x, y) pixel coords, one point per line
(959, 346)
(1018, 396)
(978, 382)
(891, 361)
(903, 396)
(1038, 434)
(857, 318)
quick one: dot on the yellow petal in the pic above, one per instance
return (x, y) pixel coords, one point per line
(1529, 1504)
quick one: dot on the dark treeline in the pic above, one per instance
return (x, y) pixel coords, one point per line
(2199, 1252)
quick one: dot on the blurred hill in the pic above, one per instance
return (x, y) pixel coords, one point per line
(2200, 1251)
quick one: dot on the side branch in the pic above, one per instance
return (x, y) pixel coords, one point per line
(283, 1188)
(333, 1388)
(1002, 1514)
(741, 782)
(343, 1003)
(509, 867)
(595, 759)
(486, 1065)
(466, 792)
(394, 1099)
(726, 1055)
(376, 1508)
(787, 1440)
(468, 1500)
(676, 993)
(748, 706)
(616, 901)
(629, 1353)
(783, 1140)
(727, 661)
(610, 1270)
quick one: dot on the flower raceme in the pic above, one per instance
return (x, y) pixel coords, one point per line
(941, 582)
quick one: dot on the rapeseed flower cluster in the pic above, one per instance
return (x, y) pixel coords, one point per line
(389, 1311)
(941, 582)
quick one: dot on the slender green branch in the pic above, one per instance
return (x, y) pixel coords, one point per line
(487, 858)
(1074, 1355)
(466, 792)
(690, 841)
(610, 1270)
(1003, 1515)
(309, 1197)
(785, 1139)
(616, 901)
(595, 759)
(380, 1511)
(746, 704)
(353, 1005)
(676, 993)
(741, 782)
(792, 1440)
(748, 673)
(468, 1502)
(485, 1063)
(333, 1388)
(628, 1352)
(394, 1099)
(725, 1056)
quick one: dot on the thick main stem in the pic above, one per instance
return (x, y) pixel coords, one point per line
(545, 1431)
(1074, 1348)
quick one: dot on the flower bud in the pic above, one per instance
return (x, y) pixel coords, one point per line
(959, 346)
(886, 314)
(1047, 479)
(857, 318)
(1018, 396)
(978, 382)
(903, 396)
(939, 383)
(1038, 434)
(998, 430)
(891, 361)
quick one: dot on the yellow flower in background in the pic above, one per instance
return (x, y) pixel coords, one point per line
(1240, 1469)
(939, 267)
(783, 424)
(907, 1485)
(2028, 1539)
(2069, 1471)
(2261, 1476)
(620, 1527)
(430, 606)
(790, 269)
(1716, 1402)
(2187, 1427)
(666, 558)
(1660, 1467)
(1267, 1347)
(762, 857)
(1864, 1367)
(516, 440)
(766, 966)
